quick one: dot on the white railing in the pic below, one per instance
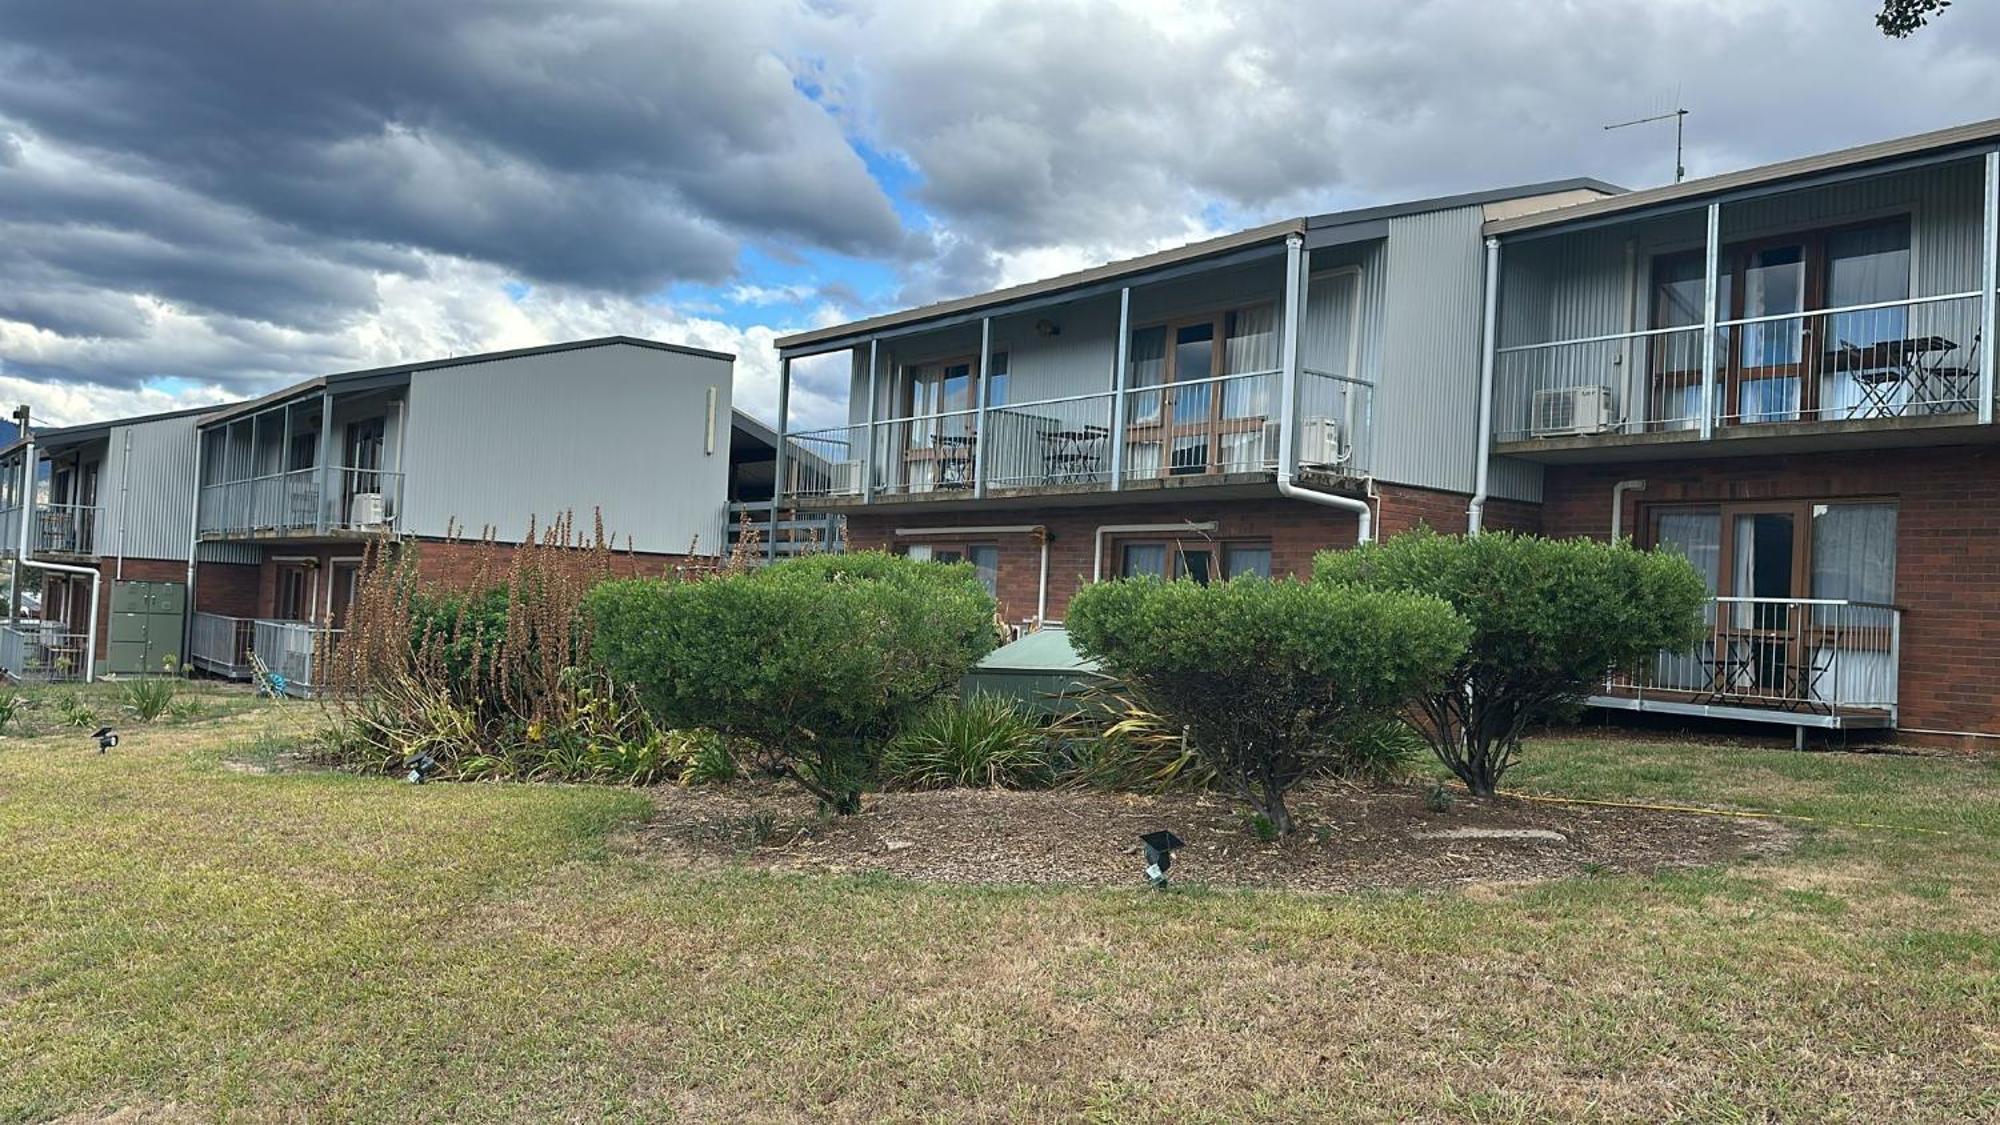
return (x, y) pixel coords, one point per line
(1335, 419)
(43, 652)
(65, 529)
(1049, 442)
(295, 653)
(222, 645)
(368, 500)
(1814, 655)
(825, 462)
(926, 453)
(1218, 425)
(794, 533)
(1887, 359)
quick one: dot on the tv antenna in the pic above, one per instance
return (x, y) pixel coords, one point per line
(1680, 127)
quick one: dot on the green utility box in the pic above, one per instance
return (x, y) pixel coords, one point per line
(147, 626)
(1041, 670)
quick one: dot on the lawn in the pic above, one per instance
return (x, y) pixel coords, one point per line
(182, 938)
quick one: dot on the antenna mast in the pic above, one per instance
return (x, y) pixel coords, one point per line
(1680, 126)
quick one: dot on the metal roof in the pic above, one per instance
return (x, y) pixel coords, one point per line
(1978, 135)
(404, 370)
(88, 431)
(1193, 251)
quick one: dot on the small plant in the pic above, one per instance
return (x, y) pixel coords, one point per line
(149, 698)
(185, 709)
(12, 704)
(1438, 799)
(711, 763)
(985, 741)
(1261, 827)
(755, 829)
(1380, 752)
(1115, 740)
(73, 711)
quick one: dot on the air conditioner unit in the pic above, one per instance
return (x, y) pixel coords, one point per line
(366, 510)
(846, 478)
(1319, 442)
(1573, 410)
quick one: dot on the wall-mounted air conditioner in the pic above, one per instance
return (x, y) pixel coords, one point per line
(1319, 442)
(366, 510)
(1573, 410)
(846, 478)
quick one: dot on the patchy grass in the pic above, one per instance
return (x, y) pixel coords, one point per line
(77, 709)
(181, 938)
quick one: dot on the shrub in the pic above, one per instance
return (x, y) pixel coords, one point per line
(12, 704)
(1268, 678)
(1550, 618)
(1113, 739)
(818, 660)
(986, 741)
(149, 698)
(74, 710)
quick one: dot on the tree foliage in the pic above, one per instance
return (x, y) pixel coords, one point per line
(1900, 19)
(819, 660)
(1268, 678)
(1550, 619)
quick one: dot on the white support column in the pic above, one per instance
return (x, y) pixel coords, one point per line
(1482, 441)
(329, 494)
(1288, 402)
(1989, 280)
(1118, 381)
(980, 395)
(868, 431)
(1708, 333)
(778, 464)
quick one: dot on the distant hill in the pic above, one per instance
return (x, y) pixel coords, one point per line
(8, 432)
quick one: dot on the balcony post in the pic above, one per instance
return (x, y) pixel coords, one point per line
(1708, 299)
(1288, 350)
(326, 454)
(1121, 357)
(868, 430)
(1489, 339)
(1989, 280)
(980, 395)
(778, 464)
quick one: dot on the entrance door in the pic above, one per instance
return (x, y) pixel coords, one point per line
(294, 599)
(343, 593)
(1771, 348)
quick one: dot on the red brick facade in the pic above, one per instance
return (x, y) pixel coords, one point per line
(1294, 530)
(1947, 550)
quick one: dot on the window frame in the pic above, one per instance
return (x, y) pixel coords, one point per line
(1176, 550)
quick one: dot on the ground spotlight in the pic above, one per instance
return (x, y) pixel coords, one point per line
(106, 738)
(421, 767)
(1160, 855)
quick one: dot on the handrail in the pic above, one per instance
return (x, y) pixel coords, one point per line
(1642, 333)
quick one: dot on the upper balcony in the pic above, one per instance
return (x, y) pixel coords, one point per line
(1847, 302)
(318, 466)
(1228, 372)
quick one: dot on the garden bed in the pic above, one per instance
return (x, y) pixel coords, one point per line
(1352, 838)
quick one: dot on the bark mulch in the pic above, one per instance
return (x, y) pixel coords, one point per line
(1351, 837)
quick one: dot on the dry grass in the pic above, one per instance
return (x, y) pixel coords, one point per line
(186, 942)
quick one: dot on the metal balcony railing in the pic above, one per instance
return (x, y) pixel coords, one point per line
(364, 500)
(1820, 656)
(64, 529)
(1888, 359)
(43, 652)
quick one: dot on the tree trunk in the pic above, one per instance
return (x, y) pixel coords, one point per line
(1274, 810)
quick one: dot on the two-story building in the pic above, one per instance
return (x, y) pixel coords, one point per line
(1787, 374)
(243, 529)
(1222, 408)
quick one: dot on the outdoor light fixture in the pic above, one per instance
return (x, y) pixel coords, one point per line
(1160, 855)
(106, 738)
(421, 768)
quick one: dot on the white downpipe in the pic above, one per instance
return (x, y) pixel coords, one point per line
(1364, 516)
(28, 467)
(1475, 512)
(1042, 588)
(194, 532)
(1618, 492)
(1288, 451)
(124, 498)
(1097, 561)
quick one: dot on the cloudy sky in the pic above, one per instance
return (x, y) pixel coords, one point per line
(200, 200)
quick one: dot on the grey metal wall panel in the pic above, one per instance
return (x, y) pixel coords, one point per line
(617, 428)
(247, 553)
(147, 496)
(1426, 400)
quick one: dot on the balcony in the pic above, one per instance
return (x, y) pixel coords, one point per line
(289, 504)
(43, 652)
(1225, 428)
(64, 529)
(1804, 662)
(295, 654)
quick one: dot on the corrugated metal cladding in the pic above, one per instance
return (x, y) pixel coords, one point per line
(250, 553)
(617, 428)
(147, 499)
(1592, 283)
(1427, 401)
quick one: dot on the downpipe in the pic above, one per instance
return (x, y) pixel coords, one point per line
(1618, 492)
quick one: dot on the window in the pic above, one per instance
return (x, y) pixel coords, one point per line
(939, 400)
(1194, 560)
(294, 600)
(984, 557)
(1185, 416)
(303, 454)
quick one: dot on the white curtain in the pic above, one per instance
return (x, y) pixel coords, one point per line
(1854, 552)
(1697, 536)
(1148, 361)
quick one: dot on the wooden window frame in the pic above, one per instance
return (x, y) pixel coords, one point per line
(1164, 430)
(1176, 549)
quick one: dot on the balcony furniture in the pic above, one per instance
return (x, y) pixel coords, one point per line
(1075, 456)
(954, 459)
(1900, 377)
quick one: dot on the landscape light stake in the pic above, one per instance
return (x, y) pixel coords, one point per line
(1160, 855)
(106, 738)
(421, 768)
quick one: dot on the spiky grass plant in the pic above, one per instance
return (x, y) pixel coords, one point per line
(986, 741)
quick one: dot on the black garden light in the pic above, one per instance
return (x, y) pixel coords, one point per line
(1160, 855)
(421, 767)
(106, 738)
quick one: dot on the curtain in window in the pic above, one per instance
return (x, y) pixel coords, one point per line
(1854, 557)
(1697, 536)
(1250, 345)
(1865, 265)
(1148, 359)
(1144, 558)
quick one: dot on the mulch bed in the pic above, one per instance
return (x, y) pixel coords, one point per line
(1351, 838)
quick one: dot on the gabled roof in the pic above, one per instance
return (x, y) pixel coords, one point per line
(1192, 252)
(403, 370)
(90, 431)
(1971, 138)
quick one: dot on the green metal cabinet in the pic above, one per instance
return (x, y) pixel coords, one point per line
(147, 619)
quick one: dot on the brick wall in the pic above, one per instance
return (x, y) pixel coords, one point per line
(230, 589)
(1947, 550)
